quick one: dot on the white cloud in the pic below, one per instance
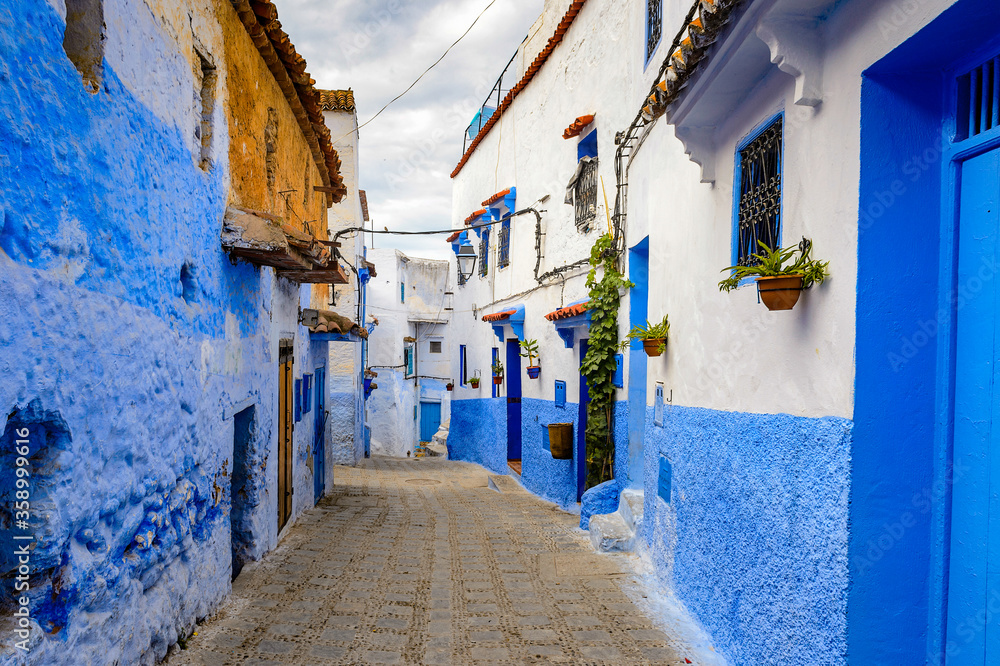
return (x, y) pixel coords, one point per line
(378, 48)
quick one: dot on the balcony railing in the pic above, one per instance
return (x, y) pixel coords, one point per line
(490, 105)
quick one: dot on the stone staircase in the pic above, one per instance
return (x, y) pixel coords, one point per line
(616, 532)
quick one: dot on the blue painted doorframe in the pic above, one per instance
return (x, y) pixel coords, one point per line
(638, 273)
(513, 379)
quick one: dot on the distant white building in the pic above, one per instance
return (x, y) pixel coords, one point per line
(410, 350)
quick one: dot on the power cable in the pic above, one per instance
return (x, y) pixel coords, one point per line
(433, 65)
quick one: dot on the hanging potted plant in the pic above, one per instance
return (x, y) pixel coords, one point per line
(449, 386)
(497, 372)
(474, 380)
(531, 353)
(781, 276)
(653, 336)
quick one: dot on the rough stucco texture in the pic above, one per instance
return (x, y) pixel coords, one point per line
(754, 539)
(601, 499)
(125, 336)
(478, 433)
(551, 479)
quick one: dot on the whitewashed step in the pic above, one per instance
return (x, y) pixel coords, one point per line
(630, 506)
(609, 533)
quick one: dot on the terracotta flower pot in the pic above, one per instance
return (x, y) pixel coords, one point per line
(779, 292)
(498, 380)
(474, 382)
(449, 386)
(654, 346)
(533, 371)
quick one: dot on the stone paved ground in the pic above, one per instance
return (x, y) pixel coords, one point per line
(420, 562)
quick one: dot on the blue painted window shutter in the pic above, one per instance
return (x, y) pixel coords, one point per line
(402, 292)
(587, 146)
(663, 481)
(306, 393)
(298, 400)
(619, 377)
(560, 393)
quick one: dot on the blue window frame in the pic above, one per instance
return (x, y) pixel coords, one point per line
(654, 27)
(503, 245)
(402, 292)
(306, 393)
(484, 254)
(758, 184)
(496, 356)
(462, 365)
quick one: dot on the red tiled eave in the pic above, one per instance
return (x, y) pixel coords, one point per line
(475, 215)
(454, 237)
(496, 197)
(529, 74)
(499, 316)
(566, 312)
(577, 126)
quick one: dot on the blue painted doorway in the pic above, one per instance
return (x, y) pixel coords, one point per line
(319, 441)
(430, 419)
(513, 379)
(974, 572)
(638, 273)
(581, 430)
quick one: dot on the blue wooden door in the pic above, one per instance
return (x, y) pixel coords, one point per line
(513, 379)
(430, 420)
(319, 441)
(581, 430)
(974, 570)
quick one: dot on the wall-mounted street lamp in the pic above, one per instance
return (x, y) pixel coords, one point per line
(466, 261)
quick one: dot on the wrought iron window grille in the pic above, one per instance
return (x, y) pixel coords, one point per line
(978, 108)
(585, 196)
(654, 26)
(503, 245)
(484, 255)
(759, 206)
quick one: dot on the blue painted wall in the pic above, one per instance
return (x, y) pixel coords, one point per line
(551, 479)
(478, 432)
(127, 341)
(754, 540)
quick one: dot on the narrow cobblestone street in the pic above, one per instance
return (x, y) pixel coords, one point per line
(422, 562)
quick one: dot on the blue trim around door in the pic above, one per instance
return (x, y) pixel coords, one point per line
(638, 273)
(513, 379)
(581, 431)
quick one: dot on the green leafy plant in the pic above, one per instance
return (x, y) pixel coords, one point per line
(779, 262)
(599, 364)
(530, 352)
(497, 368)
(658, 331)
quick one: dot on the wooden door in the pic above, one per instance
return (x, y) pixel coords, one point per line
(286, 423)
(974, 571)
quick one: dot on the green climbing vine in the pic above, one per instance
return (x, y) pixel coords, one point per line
(599, 364)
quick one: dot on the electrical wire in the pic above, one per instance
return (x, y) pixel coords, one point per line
(433, 65)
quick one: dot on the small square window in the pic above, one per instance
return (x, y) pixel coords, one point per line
(435, 347)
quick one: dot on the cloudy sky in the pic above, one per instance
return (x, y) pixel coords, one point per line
(378, 47)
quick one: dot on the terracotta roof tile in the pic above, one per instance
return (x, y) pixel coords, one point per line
(364, 205)
(479, 212)
(529, 74)
(337, 100)
(577, 126)
(260, 20)
(454, 236)
(496, 197)
(567, 312)
(705, 28)
(499, 316)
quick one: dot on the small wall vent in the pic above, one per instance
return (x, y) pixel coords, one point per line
(978, 100)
